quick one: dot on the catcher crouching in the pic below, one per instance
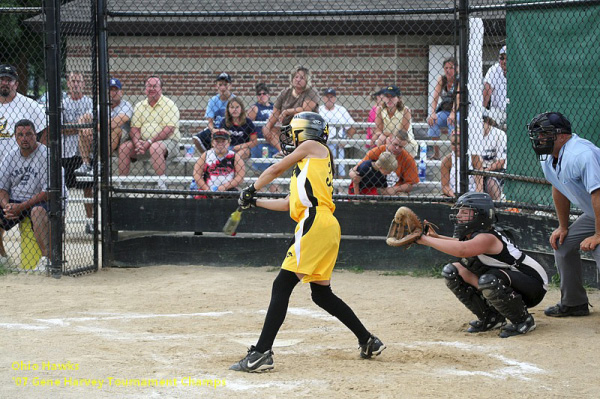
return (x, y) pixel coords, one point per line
(494, 279)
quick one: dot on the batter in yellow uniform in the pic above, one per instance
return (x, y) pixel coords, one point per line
(313, 252)
(316, 241)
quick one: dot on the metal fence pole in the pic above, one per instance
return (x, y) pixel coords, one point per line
(53, 62)
(104, 132)
(463, 39)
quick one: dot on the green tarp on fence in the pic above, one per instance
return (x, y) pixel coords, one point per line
(553, 65)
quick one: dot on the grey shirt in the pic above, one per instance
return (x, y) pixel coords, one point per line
(24, 177)
(124, 108)
(72, 111)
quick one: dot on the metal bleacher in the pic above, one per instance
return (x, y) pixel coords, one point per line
(179, 172)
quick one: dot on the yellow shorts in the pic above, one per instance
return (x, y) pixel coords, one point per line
(317, 241)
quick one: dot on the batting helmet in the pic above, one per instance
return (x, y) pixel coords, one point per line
(303, 126)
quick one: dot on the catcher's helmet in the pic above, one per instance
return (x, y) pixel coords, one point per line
(543, 129)
(303, 126)
(483, 216)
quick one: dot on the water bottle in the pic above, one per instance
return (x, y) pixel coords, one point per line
(265, 152)
(422, 165)
(193, 186)
(189, 151)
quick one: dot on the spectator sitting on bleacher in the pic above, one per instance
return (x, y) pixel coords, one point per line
(405, 176)
(393, 115)
(336, 114)
(490, 153)
(444, 103)
(450, 169)
(215, 112)
(154, 133)
(260, 112)
(370, 176)
(14, 106)
(24, 188)
(298, 98)
(75, 107)
(241, 128)
(378, 98)
(219, 169)
(121, 112)
(495, 89)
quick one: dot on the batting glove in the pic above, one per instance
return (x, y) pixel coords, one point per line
(247, 197)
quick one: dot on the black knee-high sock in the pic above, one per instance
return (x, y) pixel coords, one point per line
(280, 297)
(326, 299)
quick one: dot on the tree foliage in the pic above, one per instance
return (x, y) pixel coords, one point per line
(20, 46)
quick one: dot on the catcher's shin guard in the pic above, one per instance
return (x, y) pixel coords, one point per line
(506, 300)
(466, 293)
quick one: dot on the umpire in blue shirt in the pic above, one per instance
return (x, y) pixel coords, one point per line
(572, 165)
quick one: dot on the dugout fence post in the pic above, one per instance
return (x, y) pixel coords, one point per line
(94, 158)
(463, 106)
(53, 62)
(105, 148)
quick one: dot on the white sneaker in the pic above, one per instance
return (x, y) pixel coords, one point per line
(89, 228)
(42, 264)
(161, 185)
(83, 170)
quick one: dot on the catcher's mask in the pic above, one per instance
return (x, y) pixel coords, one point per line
(303, 126)
(543, 129)
(482, 217)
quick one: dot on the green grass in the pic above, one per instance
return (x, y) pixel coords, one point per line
(355, 269)
(3, 270)
(555, 283)
(435, 272)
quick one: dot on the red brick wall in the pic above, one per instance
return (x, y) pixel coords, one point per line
(348, 80)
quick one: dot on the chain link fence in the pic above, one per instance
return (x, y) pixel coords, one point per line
(25, 173)
(364, 67)
(372, 71)
(424, 99)
(24, 164)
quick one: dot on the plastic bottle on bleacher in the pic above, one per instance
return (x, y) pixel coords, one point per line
(189, 151)
(422, 165)
(193, 186)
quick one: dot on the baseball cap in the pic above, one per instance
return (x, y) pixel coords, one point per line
(503, 50)
(224, 76)
(392, 90)
(329, 91)
(221, 134)
(8, 70)
(114, 82)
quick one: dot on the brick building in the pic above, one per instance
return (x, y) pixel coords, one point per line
(358, 51)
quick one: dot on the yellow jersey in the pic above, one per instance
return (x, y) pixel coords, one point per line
(311, 186)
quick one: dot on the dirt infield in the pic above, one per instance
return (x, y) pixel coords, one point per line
(182, 327)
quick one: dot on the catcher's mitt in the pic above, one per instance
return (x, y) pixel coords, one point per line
(406, 228)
